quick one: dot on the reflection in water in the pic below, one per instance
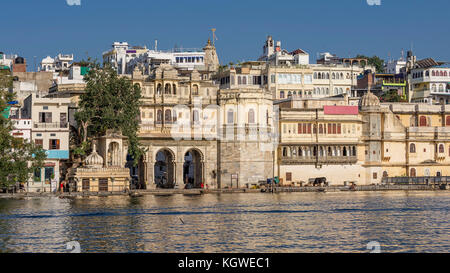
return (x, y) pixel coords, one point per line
(286, 222)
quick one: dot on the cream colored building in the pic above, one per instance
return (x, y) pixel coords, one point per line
(330, 138)
(50, 130)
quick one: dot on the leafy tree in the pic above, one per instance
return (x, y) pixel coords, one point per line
(19, 159)
(109, 102)
(374, 61)
(391, 96)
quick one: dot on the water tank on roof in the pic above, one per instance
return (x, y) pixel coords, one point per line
(19, 60)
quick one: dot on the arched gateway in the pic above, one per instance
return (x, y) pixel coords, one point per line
(164, 169)
(193, 169)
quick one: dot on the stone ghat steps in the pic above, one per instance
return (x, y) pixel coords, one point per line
(357, 188)
(195, 192)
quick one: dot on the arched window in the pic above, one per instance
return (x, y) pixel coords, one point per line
(239, 80)
(320, 129)
(412, 172)
(244, 79)
(447, 121)
(433, 87)
(354, 151)
(167, 89)
(168, 115)
(284, 151)
(412, 148)
(333, 76)
(342, 76)
(433, 73)
(441, 148)
(195, 90)
(330, 153)
(344, 151)
(281, 94)
(422, 121)
(315, 75)
(174, 89)
(195, 117)
(158, 89)
(328, 76)
(251, 116)
(159, 116)
(385, 174)
(230, 116)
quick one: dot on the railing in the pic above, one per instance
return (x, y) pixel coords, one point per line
(50, 125)
(420, 180)
(320, 159)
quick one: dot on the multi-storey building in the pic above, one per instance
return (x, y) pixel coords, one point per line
(430, 82)
(330, 138)
(199, 132)
(50, 130)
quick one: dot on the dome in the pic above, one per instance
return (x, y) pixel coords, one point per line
(94, 160)
(19, 60)
(369, 99)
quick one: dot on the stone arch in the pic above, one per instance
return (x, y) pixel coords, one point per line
(164, 168)
(114, 158)
(193, 167)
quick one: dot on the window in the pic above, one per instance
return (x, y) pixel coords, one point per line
(375, 175)
(412, 148)
(334, 128)
(168, 115)
(39, 142)
(195, 89)
(45, 117)
(63, 120)
(441, 148)
(230, 117)
(412, 172)
(447, 121)
(300, 131)
(309, 128)
(159, 116)
(195, 117)
(339, 128)
(251, 116)
(422, 121)
(53, 144)
(320, 129)
(288, 176)
(281, 94)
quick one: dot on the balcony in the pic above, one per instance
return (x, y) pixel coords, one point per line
(50, 125)
(301, 160)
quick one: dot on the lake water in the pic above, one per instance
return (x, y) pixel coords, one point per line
(248, 222)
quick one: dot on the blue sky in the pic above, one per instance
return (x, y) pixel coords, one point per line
(344, 27)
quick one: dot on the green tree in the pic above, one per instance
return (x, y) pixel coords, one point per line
(374, 61)
(391, 96)
(109, 102)
(19, 159)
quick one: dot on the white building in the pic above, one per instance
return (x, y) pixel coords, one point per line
(275, 55)
(430, 82)
(125, 58)
(59, 63)
(50, 130)
(6, 61)
(394, 66)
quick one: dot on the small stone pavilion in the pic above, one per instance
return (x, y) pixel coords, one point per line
(100, 175)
